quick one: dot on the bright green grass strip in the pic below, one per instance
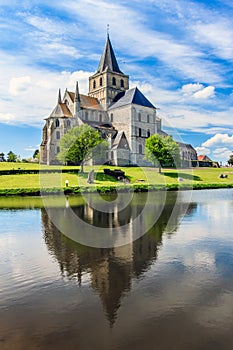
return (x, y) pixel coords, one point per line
(141, 179)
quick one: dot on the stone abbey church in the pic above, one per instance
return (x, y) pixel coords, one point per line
(123, 116)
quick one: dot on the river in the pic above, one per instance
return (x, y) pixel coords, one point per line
(170, 287)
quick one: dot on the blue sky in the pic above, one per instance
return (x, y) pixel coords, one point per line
(179, 54)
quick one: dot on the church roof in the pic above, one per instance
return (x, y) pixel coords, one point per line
(89, 102)
(108, 59)
(86, 101)
(120, 141)
(204, 158)
(185, 145)
(131, 96)
(61, 110)
(162, 133)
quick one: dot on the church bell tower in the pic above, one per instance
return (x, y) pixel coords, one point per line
(108, 81)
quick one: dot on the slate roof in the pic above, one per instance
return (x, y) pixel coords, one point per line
(162, 133)
(117, 140)
(131, 96)
(185, 145)
(108, 59)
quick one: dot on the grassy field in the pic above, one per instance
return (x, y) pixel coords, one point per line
(197, 177)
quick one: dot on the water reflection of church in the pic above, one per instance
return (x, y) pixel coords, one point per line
(111, 270)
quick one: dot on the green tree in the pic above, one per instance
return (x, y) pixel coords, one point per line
(230, 160)
(11, 157)
(77, 144)
(35, 154)
(2, 157)
(162, 151)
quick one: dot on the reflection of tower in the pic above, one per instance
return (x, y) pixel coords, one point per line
(111, 279)
(110, 270)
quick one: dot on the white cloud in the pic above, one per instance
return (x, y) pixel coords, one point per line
(191, 88)
(219, 139)
(218, 35)
(222, 152)
(202, 150)
(214, 143)
(205, 93)
(203, 25)
(44, 24)
(198, 91)
(31, 148)
(32, 92)
(174, 54)
(53, 49)
(7, 117)
(19, 85)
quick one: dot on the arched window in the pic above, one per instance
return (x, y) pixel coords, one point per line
(139, 117)
(148, 133)
(140, 149)
(94, 84)
(111, 117)
(148, 118)
(101, 81)
(114, 81)
(57, 123)
(122, 83)
(86, 115)
(139, 132)
(58, 135)
(100, 118)
(58, 149)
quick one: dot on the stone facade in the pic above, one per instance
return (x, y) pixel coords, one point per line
(123, 116)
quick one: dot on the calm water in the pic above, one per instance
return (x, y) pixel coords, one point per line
(170, 289)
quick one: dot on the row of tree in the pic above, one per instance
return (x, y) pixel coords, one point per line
(83, 142)
(12, 157)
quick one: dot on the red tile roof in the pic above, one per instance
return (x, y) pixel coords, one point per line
(201, 158)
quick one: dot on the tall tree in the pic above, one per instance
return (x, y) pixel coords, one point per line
(230, 160)
(11, 157)
(35, 154)
(162, 151)
(2, 157)
(77, 144)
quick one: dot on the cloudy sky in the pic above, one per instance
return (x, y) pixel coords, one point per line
(178, 52)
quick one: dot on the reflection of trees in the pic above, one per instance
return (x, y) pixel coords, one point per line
(111, 270)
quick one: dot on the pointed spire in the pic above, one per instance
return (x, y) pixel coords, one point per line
(77, 96)
(77, 100)
(108, 59)
(59, 96)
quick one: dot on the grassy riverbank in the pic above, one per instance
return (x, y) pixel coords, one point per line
(139, 179)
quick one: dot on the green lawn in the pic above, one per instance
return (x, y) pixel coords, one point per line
(32, 166)
(135, 175)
